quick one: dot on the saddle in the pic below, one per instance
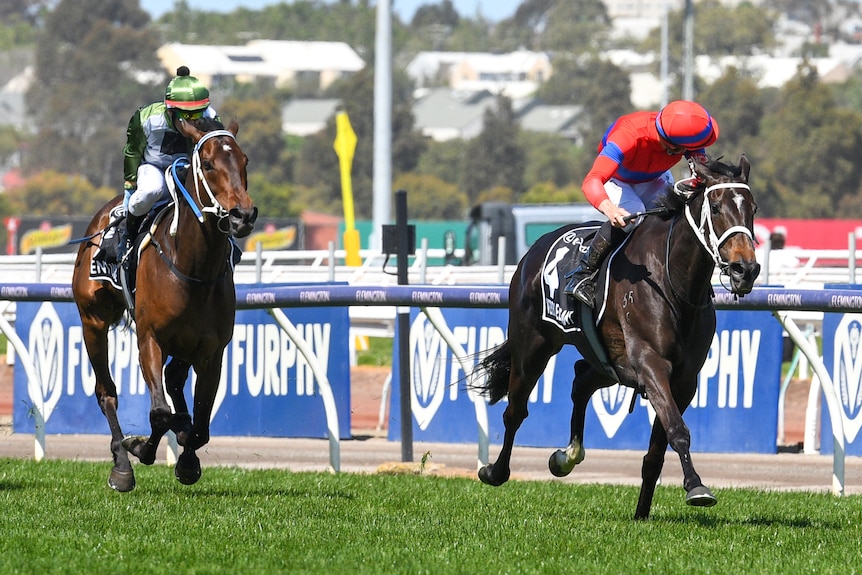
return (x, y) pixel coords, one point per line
(109, 263)
(575, 319)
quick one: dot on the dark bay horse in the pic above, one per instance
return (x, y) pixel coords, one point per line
(657, 324)
(185, 302)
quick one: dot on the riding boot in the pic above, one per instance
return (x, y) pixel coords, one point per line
(129, 233)
(581, 284)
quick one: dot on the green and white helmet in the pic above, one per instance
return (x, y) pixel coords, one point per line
(186, 92)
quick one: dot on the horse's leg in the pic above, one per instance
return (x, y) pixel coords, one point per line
(176, 374)
(527, 366)
(669, 428)
(653, 463)
(152, 362)
(586, 382)
(188, 467)
(696, 493)
(95, 331)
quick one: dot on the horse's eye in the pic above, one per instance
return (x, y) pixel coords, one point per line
(715, 207)
(207, 165)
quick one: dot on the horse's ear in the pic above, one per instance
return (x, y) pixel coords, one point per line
(188, 129)
(745, 167)
(233, 127)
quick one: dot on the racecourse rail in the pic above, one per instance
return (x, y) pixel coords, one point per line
(779, 301)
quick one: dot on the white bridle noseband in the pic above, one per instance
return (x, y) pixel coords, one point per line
(215, 207)
(705, 230)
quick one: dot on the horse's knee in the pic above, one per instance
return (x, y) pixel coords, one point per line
(160, 419)
(679, 439)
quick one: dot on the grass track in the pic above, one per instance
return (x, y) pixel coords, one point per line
(60, 517)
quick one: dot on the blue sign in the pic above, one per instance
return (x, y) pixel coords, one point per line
(267, 386)
(842, 356)
(735, 408)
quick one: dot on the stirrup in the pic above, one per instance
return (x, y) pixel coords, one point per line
(585, 292)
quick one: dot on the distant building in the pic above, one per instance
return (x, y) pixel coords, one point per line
(515, 74)
(284, 63)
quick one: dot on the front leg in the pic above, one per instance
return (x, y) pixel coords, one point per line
(152, 361)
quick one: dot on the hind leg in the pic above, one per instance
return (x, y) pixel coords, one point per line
(526, 368)
(586, 382)
(95, 331)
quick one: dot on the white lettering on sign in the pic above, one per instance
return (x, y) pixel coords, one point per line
(732, 353)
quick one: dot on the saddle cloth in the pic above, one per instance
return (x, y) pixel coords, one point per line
(574, 318)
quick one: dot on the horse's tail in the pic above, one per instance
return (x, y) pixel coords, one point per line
(495, 367)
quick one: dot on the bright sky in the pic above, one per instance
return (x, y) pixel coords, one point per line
(494, 10)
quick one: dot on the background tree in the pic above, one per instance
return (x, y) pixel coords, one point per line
(86, 87)
(51, 193)
(738, 106)
(430, 198)
(808, 158)
(549, 158)
(317, 166)
(444, 160)
(260, 130)
(600, 86)
(494, 158)
(720, 30)
(573, 27)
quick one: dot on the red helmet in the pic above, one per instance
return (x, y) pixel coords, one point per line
(687, 125)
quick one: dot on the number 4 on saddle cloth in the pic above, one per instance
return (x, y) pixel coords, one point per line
(571, 316)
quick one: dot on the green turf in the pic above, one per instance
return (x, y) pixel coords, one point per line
(60, 517)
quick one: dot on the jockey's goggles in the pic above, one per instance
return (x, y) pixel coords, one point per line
(190, 114)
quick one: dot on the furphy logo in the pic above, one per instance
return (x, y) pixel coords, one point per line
(46, 349)
(733, 352)
(437, 372)
(611, 405)
(847, 373)
(428, 378)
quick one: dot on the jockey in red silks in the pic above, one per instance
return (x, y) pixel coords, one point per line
(633, 167)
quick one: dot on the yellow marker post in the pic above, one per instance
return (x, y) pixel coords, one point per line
(345, 145)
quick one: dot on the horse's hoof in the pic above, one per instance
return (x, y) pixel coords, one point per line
(559, 464)
(137, 446)
(122, 481)
(486, 476)
(700, 496)
(188, 468)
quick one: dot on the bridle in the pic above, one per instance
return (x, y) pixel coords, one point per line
(175, 184)
(704, 230)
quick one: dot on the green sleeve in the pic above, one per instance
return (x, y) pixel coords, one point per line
(133, 152)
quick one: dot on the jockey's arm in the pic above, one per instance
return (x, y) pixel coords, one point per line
(133, 151)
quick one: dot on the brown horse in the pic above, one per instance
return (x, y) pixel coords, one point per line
(657, 324)
(185, 302)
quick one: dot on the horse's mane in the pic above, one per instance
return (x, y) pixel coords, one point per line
(674, 202)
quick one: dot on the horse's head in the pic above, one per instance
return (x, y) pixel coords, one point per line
(219, 173)
(726, 223)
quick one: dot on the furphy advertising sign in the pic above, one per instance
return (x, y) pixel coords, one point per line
(267, 386)
(735, 408)
(842, 356)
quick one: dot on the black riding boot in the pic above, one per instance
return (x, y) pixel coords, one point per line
(132, 222)
(581, 284)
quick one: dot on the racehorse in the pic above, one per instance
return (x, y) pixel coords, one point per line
(656, 327)
(185, 301)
